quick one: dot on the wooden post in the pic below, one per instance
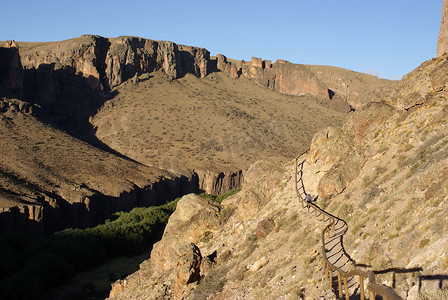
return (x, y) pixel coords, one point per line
(346, 289)
(330, 276)
(361, 286)
(372, 295)
(340, 285)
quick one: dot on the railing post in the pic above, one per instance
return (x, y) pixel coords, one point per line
(340, 285)
(372, 295)
(330, 275)
(346, 288)
(361, 286)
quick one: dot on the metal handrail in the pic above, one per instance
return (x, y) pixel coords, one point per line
(373, 288)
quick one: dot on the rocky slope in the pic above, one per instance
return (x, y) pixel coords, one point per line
(384, 172)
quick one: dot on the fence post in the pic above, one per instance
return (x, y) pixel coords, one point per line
(340, 285)
(361, 286)
(330, 275)
(346, 288)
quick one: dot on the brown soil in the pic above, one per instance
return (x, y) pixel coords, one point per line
(215, 123)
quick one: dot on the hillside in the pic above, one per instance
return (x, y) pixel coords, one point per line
(216, 123)
(76, 110)
(56, 181)
(383, 172)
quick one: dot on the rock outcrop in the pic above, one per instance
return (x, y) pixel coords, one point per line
(66, 78)
(216, 183)
(11, 72)
(176, 262)
(442, 44)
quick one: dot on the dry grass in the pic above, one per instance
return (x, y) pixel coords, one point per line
(213, 123)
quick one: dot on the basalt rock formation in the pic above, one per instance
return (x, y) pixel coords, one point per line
(346, 89)
(66, 78)
(60, 73)
(11, 72)
(442, 44)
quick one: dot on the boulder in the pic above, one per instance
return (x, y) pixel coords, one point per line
(328, 146)
(438, 76)
(193, 217)
(340, 175)
(187, 267)
(264, 227)
(369, 118)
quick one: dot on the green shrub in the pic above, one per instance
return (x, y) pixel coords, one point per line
(220, 198)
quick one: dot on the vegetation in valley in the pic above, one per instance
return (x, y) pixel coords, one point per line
(33, 264)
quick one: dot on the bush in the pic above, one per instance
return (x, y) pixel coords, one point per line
(220, 198)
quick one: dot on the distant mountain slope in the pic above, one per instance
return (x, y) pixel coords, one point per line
(215, 123)
(56, 180)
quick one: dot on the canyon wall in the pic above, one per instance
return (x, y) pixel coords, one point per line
(442, 44)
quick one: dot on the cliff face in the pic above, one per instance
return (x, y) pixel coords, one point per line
(69, 78)
(343, 89)
(11, 72)
(442, 44)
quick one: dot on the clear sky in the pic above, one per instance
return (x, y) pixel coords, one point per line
(385, 37)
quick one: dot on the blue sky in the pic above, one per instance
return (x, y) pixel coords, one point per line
(389, 37)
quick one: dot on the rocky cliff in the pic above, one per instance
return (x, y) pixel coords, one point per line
(11, 71)
(345, 89)
(384, 172)
(57, 74)
(442, 44)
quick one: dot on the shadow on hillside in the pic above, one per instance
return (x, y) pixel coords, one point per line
(67, 100)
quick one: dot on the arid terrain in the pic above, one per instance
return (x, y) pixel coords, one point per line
(93, 125)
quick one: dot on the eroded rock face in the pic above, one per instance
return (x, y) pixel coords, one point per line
(442, 44)
(193, 217)
(11, 72)
(340, 175)
(59, 74)
(216, 183)
(369, 118)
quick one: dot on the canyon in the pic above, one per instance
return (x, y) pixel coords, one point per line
(60, 145)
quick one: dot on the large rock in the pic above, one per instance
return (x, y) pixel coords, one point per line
(438, 76)
(193, 217)
(369, 118)
(11, 71)
(442, 44)
(340, 175)
(328, 146)
(297, 80)
(187, 267)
